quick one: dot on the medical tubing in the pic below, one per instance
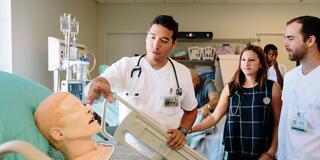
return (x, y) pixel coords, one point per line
(94, 61)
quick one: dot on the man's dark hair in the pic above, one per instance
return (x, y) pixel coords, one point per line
(310, 26)
(168, 22)
(269, 47)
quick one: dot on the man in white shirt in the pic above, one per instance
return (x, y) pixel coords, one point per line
(276, 71)
(155, 84)
(299, 127)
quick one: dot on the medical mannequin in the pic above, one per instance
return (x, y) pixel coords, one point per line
(69, 125)
(207, 97)
(205, 91)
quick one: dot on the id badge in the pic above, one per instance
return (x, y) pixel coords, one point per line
(299, 123)
(171, 101)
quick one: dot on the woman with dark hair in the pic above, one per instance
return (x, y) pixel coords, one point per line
(253, 106)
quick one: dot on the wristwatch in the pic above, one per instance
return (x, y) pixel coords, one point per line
(183, 130)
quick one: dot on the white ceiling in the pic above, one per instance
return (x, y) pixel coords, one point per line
(214, 1)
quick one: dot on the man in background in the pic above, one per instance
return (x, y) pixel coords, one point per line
(276, 71)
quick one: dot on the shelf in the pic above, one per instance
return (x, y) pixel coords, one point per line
(219, 40)
(184, 43)
(192, 63)
(194, 40)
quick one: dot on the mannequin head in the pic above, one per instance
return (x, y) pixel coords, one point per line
(195, 77)
(63, 119)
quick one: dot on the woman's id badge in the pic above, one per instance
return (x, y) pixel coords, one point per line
(299, 123)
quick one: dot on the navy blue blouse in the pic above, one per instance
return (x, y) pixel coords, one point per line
(249, 123)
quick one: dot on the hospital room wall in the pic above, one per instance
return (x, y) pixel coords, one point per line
(226, 21)
(34, 20)
(5, 39)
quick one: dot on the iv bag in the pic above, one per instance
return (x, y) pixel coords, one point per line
(64, 22)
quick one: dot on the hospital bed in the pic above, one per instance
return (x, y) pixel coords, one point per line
(19, 98)
(23, 148)
(20, 138)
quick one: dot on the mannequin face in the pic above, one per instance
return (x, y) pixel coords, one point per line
(195, 80)
(78, 119)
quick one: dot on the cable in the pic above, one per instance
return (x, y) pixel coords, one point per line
(93, 65)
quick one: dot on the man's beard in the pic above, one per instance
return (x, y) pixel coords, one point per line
(298, 54)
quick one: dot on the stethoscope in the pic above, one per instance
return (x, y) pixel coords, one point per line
(137, 67)
(266, 100)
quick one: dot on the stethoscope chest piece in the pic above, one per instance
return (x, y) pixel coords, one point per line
(179, 91)
(266, 100)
